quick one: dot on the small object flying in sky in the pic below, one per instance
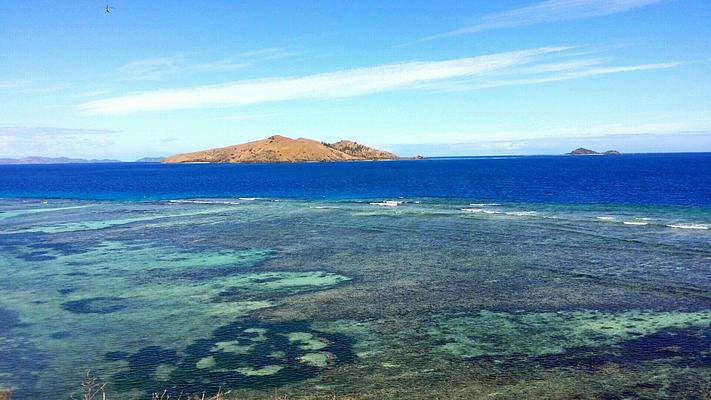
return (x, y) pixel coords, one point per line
(108, 9)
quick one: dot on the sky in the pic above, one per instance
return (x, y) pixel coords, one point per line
(435, 78)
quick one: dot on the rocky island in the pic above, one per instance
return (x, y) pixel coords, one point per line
(587, 152)
(277, 148)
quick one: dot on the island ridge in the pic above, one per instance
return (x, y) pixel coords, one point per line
(279, 148)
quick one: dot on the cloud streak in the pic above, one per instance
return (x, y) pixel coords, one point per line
(501, 69)
(346, 83)
(13, 84)
(156, 68)
(543, 12)
(245, 117)
(560, 75)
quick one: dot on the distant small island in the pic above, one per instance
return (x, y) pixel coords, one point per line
(150, 160)
(52, 160)
(281, 149)
(587, 152)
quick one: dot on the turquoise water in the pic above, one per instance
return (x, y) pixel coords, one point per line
(448, 298)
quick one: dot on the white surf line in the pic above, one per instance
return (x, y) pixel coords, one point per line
(387, 203)
(480, 210)
(688, 226)
(17, 213)
(102, 224)
(204, 202)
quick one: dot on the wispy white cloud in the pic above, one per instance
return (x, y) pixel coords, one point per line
(152, 68)
(562, 74)
(546, 64)
(272, 53)
(14, 84)
(550, 67)
(93, 93)
(244, 117)
(155, 68)
(545, 11)
(42, 88)
(45, 86)
(345, 83)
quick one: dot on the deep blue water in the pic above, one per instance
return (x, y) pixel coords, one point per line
(655, 179)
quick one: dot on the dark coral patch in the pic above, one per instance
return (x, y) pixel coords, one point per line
(20, 361)
(258, 342)
(686, 347)
(37, 256)
(78, 273)
(116, 355)
(8, 320)
(95, 305)
(60, 335)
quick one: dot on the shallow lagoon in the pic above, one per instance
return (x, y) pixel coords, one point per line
(430, 298)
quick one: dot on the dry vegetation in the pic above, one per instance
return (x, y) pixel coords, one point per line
(92, 388)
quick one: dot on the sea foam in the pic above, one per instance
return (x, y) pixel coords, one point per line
(204, 202)
(386, 203)
(688, 226)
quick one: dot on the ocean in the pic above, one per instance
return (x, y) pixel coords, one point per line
(673, 179)
(506, 277)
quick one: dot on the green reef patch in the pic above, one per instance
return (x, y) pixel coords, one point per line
(247, 353)
(529, 335)
(259, 285)
(152, 305)
(312, 299)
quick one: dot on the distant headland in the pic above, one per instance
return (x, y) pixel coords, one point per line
(587, 152)
(150, 159)
(52, 160)
(281, 149)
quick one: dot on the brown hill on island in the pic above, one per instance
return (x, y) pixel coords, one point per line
(283, 149)
(587, 152)
(361, 152)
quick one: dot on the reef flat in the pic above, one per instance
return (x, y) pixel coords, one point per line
(374, 298)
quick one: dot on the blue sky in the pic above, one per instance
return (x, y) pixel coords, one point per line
(428, 77)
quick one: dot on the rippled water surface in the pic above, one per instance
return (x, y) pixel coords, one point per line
(429, 297)
(495, 285)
